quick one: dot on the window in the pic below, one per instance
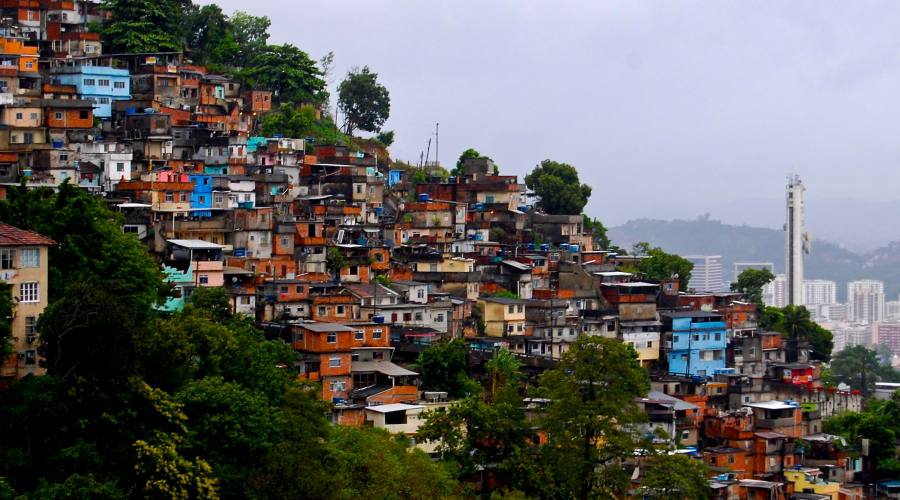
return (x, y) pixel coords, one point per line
(31, 257)
(419, 316)
(119, 85)
(120, 167)
(519, 327)
(170, 197)
(360, 335)
(334, 362)
(30, 291)
(322, 311)
(202, 199)
(512, 308)
(439, 318)
(103, 83)
(336, 385)
(57, 115)
(218, 198)
(376, 334)
(245, 300)
(104, 100)
(204, 279)
(340, 310)
(520, 308)
(19, 116)
(30, 357)
(183, 196)
(33, 116)
(718, 336)
(332, 338)
(7, 258)
(89, 81)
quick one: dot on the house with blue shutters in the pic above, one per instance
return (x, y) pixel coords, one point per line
(101, 84)
(695, 341)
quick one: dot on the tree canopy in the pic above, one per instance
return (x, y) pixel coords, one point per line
(659, 265)
(751, 283)
(291, 75)
(859, 367)
(366, 104)
(144, 25)
(558, 188)
(443, 367)
(796, 325)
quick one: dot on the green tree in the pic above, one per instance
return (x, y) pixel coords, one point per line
(460, 163)
(443, 367)
(334, 260)
(366, 104)
(385, 137)
(598, 231)
(372, 463)
(589, 421)
(659, 266)
(475, 436)
(210, 36)
(503, 369)
(558, 188)
(289, 73)
(673, 477)
(751, 283)
(859, 367)
(143, 25)
(795, 323)
(250, 34)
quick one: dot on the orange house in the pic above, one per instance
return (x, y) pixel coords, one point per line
(722, 459)
(325, 349)
(69, 113)
(335, 308)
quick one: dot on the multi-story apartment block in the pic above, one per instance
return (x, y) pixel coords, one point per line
(865, 301)
(707, 273)
(819, 292)
(101, 84)
(23, 272)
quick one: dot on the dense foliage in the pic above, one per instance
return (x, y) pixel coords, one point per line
(558, 188)
(659, 265)
(751, 282)
(796, 325)
(880, 424)
(574, 442)
(442, 367)
(366, 104)
(194, 405)
(860, 367)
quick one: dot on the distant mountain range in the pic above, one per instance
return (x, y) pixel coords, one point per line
(745, 243)
(859, 225)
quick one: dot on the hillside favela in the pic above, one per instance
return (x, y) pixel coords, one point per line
(415, 250)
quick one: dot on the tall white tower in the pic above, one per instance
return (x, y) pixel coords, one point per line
(796, 242)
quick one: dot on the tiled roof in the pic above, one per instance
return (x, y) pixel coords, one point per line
(13, 236)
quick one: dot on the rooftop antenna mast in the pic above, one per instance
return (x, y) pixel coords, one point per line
(437, 143)
(427, 153)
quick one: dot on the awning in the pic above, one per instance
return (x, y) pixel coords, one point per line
(383, 367)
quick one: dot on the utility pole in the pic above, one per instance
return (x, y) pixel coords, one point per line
(437, 143)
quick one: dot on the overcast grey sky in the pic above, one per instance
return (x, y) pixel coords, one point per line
(653, 102)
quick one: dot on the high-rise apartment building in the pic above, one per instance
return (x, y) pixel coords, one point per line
(845, 336)
(707, 273)
(818, 292)
(775, 293)
(740, 267)
(887, 334)
(865, 301)
(796, 242)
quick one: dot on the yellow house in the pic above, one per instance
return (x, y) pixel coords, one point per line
(810, 481)
(23, 269)
(503, 316)
(447, 265)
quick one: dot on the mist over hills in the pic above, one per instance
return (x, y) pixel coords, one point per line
(747, 243)
(862, 226)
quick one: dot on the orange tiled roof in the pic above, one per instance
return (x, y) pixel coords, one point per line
(13, 236)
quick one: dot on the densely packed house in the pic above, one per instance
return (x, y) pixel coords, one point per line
(360, 266)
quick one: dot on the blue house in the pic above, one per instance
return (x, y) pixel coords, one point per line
(201, 196)
(699, 339)
(101, 84)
